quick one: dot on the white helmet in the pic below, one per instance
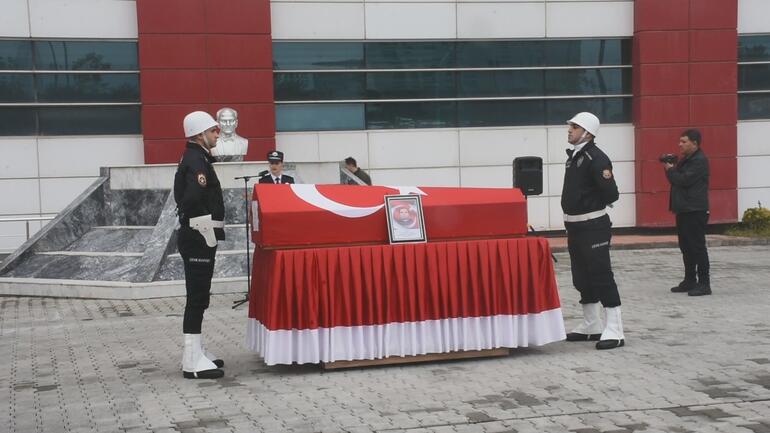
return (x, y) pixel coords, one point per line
(587, 121)
(197, 122)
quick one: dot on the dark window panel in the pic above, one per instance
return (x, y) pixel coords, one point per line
(89, 120)
(319, 86)
(88, 87)
(86, 56)
(405, 115)
(754, 48)
(587, 81)
(499, 83)
(754, 77)
(609, 110)
(16, 55)
(17, 88)
(497, 54)
(410, 85)
(319, 117)
(17, 121)
(395, 55)
(318, 55)
(587, 52)
(754, 106)
(500, 113)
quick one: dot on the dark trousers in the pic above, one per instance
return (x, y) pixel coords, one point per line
(198, 261)
(589, 252)
(691, 230)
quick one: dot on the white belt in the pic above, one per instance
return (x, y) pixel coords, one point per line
(217, 224)
(584, 217)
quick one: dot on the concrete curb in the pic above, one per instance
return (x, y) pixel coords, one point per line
(558, 245)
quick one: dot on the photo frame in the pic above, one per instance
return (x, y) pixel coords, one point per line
(406, 223)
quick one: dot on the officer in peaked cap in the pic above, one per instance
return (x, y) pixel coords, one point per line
(275, 175)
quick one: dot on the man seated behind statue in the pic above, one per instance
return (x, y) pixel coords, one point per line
(352, 165)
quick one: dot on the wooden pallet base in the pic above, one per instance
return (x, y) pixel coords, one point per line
(413, 359)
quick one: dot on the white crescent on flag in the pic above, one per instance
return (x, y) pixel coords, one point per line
(310, 194)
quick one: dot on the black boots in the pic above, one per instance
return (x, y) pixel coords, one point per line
(700, 289)
(685, 286)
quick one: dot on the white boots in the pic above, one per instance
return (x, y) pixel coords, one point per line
(195, 364)
(612, 336)
(592, 329)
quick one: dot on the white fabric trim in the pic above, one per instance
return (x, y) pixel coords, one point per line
(403, 339)
(584, 217)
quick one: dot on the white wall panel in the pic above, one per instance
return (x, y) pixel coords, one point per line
(338, 146)
(83, 156)
(426, 148)
(501, 146)
(574, 19)
(537, 212)
(623, 212)
(752, 16)
(555, 175)
(418, 177)
(555, 214)
(83, 19)
(487, 177)
(753, 172)
(624, 173)
(411, 21)
(557, 144)
(19, 157)
(617, 141)
(317, 20)
(56, 194)
(20, 196)
(302, 147)
(14, 19)
(501, 20)
(749, 197)
(753, 138)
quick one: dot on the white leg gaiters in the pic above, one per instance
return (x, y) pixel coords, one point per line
(612, 336)
(591, 327)
(195, 365)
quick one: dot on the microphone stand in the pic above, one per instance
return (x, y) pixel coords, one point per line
(240, 302)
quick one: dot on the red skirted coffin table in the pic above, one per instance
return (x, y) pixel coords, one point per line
(328, 287)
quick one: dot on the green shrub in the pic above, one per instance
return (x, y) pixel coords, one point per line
(757, 218)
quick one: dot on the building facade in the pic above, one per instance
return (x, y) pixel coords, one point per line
(420, 92)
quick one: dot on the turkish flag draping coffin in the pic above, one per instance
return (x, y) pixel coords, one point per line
(310, 215)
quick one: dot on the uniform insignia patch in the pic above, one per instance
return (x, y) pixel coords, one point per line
(201, 179)
(607, 174)
(580, 161)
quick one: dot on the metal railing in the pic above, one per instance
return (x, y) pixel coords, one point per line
(26, 220)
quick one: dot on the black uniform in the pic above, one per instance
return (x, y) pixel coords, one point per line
(268, 178)
(361, 175)
(197, 192)
(689, 200)
(589, 186)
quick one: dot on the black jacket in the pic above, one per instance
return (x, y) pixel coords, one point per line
(268, 178)
(689, 181)
(197, 190)
(589, 183)
(361, 174)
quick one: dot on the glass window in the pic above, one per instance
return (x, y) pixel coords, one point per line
(17, 88)
(88, 87)
(754, 106)
(395, 55)
(587, 81)
(500, 113)
(89, 120)
(499, 83)
(319, 86)
(489, 54)
(754, 77)
(319, 117)
(17, 121)
(398, 115)
(86, 56)
(587, 52)
(754, 48)
(609, 110)
(409, 85)
(16, 55)
(318, 55)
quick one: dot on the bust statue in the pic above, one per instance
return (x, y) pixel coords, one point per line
(230, 146)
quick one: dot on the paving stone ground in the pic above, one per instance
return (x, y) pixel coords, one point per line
(690, 365)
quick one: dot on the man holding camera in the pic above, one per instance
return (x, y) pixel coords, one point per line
(689, 200)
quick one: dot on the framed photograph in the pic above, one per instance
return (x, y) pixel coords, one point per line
(405, 219)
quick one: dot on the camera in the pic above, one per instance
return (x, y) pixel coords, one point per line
(668, 158)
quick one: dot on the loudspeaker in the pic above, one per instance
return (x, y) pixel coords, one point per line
(528, 174)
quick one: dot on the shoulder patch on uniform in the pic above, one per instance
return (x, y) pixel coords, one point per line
(202, 181)
(607, 174)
